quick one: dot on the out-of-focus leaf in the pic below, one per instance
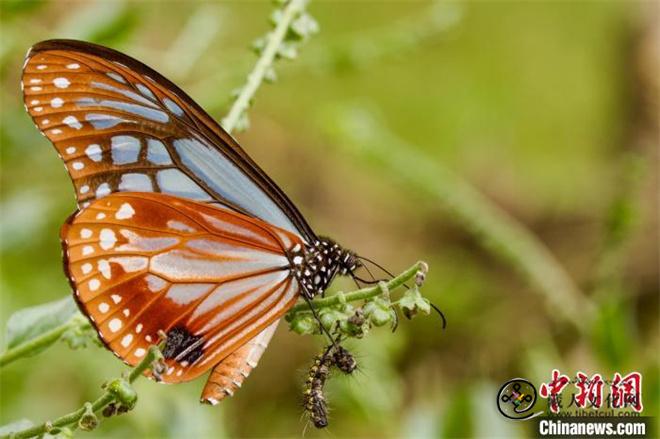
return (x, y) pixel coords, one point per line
(9, 8)
(15, 426)
(614, 332)
(29, 323)
(107, 23)
(458, 415)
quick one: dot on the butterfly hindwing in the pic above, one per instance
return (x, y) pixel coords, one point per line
(210, 278)
(228, 376)
(120, 126)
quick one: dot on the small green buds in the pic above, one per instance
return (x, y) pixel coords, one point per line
(88, 421)
(412, 303)
(123, 392)
(304, 324)
(378, 311)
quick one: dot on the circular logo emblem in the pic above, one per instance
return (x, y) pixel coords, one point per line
(516, 399)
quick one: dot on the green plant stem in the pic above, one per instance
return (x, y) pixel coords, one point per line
(362, 294)
(360, 133)
(35, 344)
(265, 61)
(106, 398)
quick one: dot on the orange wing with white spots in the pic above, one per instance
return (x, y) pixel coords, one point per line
(210, 278)
(119, 126)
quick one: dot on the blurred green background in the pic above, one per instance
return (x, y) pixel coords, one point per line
(550, 110)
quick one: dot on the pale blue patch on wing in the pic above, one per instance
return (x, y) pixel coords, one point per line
(228, 181)
(157, 153)
(103, 121)
(128, 93)
(134, 182)
(146, 92)
(125, 149)
(139, 110)
(173, 107)
(117, 77)
(175, 182)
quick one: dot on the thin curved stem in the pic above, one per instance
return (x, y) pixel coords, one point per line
(106, 398)
(256, 76)
(362, 294)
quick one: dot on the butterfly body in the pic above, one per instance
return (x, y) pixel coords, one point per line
(178, 230)
(320, 262)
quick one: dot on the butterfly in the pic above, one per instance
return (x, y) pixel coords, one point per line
(178, 229)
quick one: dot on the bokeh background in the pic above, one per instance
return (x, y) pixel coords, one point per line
(405, 130)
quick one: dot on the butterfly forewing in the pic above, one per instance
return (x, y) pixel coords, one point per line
(210, 278)
(120, 126)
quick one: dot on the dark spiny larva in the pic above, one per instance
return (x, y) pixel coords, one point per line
(315, 404)
(314, 398)
(344, 360)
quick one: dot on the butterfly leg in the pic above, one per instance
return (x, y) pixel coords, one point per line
(228, 375)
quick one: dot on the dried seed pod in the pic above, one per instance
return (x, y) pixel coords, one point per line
(109, 410)
(357, 319)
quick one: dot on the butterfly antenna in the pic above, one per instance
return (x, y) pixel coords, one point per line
(365, 281)
(369, 271)
(377, 265)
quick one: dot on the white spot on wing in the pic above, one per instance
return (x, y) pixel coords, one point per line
(104, 307)
(104, 268)
(94, 284)
(94, 152)
(115, 325)
(108, 239)
(125, 211)
(61, 82)
(56, 102)
(102, 190)
(72, 122)
(73, 66)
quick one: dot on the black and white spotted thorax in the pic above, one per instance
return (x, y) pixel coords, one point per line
(316, 264)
